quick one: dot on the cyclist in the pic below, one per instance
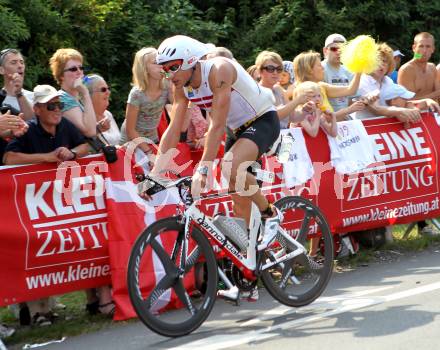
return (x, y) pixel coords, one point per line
(222, 87)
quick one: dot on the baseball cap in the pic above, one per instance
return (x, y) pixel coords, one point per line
(44, 93)
(395, 90)
(397, 53)
(334, 38)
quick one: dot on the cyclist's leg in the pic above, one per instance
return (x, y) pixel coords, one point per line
(242, 153)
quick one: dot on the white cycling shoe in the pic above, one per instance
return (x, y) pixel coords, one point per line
(271, 228)
(230, 294)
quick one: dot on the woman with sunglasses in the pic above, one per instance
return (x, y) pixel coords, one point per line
(108, 130)
(270, 66)
(146, 101)
(67, 69)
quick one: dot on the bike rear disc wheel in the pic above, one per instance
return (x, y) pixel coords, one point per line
(299, 281)
(154, 278)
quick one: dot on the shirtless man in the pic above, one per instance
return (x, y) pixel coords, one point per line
(419, 75)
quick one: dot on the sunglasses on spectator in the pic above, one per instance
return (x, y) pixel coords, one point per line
(272, 69)
(51, 106)
(74, 69)
(334, 48)
(103, 89)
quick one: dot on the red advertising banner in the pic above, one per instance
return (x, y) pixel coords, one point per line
(70, 227)
(54, 230)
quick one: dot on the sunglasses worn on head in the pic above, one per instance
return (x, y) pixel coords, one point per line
(74, 69)
(51, 106)
(4, 52)
(103, 89)
(272, 69)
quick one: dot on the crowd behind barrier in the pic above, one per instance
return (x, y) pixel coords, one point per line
(71, 226)
(73, 219)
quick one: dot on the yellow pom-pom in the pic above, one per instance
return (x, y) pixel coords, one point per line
(360, 55)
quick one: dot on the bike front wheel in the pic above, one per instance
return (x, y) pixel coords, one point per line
(161, 279)
(300, 280)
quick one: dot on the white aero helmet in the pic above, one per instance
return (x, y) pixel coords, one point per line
(181, 47)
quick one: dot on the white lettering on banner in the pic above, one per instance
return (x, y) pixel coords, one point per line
(395, 144)
(81, 189)
(67, 240)
(400, 180)
(219, 207)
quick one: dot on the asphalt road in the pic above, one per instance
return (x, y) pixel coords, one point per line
(385, 305)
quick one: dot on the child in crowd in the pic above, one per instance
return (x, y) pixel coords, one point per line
(287, 79)
(319, 116)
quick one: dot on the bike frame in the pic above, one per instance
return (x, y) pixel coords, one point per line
(193, 216)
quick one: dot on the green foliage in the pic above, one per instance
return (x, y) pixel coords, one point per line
(108, 33)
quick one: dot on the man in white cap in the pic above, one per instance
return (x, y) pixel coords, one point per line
(334, 72)
(50, 138)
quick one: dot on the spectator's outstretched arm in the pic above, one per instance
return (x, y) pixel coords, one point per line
(341, 91)
(403, 114)
(14, 158)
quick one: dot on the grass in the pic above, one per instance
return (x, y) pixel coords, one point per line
(412, 243)
(74, 320)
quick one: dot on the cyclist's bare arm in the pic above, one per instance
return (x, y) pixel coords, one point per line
(171, 136)
(221, 78)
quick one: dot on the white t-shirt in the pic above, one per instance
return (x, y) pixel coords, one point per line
(299, 168)
(112, 135)
(337, 76)
(352, 150)
(12, 100)
(387, 91)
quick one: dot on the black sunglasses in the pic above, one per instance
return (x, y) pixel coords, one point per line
(272, 69)
(103, 89)
(74, 69)
(51, 106)
(334, 48)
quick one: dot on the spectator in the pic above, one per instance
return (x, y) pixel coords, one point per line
(195, 127)
(220, 51)
(287, 79)
(12, 67)
(10, 126)
(270, 66)
(100, 94)
(50, 138)
(419, 75)
(378, 83)
(146, 101)
(253, 72)
(397, 55)
(318, 116)
(307, 67)
(334, 72)
(67, 69)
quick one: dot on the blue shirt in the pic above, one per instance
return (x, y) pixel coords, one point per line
(70, 101)
(393, 76)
